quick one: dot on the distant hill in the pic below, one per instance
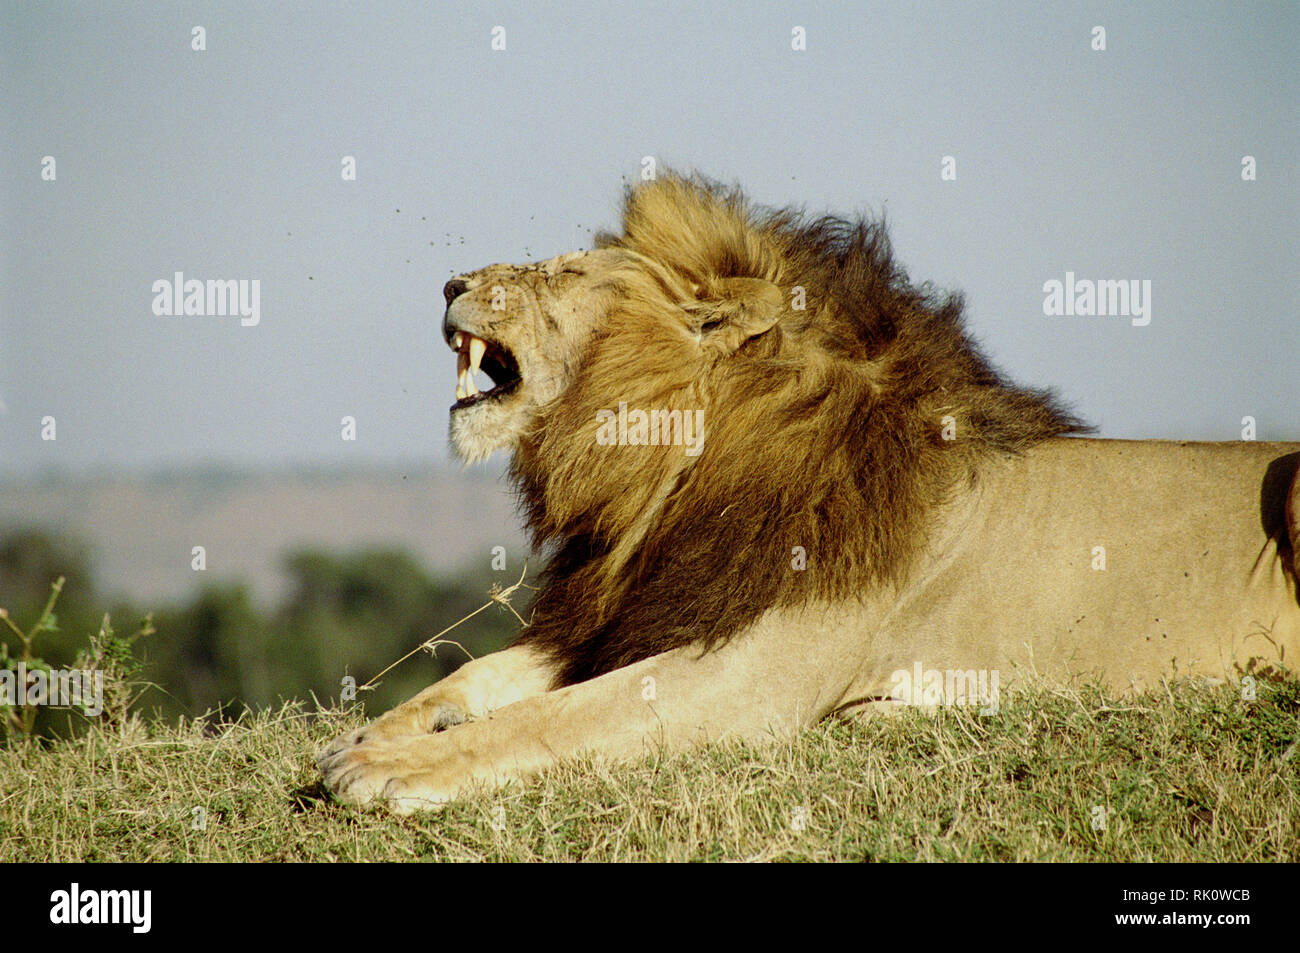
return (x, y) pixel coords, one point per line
(141, 530)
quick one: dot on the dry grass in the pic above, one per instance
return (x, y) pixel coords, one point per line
(1188, 775)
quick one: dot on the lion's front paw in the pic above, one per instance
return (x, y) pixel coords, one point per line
(400, 774)
(395, 725)
(344, 741)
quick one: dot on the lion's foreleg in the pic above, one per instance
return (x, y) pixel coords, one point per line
(472, 691)
(758, 686)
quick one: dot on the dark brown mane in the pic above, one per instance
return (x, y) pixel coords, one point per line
(825, 432)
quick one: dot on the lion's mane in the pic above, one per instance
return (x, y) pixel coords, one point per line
(825, 432)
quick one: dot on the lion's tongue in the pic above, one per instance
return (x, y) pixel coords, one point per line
(469, 354)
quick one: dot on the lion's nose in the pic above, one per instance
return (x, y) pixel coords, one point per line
(454, 289)
(451, 291)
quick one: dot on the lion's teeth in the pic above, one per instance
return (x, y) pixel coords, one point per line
(469, 354)
(465, 386)
(462, 371)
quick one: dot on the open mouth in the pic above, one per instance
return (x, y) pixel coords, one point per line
(474, 354)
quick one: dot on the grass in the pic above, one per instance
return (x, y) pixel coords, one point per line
(1189, 774)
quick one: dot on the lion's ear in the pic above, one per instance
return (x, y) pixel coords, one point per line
(735, 310)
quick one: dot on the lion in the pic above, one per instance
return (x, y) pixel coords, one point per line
(778, 482)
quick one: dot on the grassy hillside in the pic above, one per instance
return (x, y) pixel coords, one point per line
(1185, 775)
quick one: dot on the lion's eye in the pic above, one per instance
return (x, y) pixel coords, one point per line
(708, 327)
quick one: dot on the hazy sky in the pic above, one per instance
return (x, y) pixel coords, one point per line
(1116, 164)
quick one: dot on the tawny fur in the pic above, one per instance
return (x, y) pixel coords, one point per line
(824, 433)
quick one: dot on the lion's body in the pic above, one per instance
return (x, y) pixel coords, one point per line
(874, 510)
(1134, 561)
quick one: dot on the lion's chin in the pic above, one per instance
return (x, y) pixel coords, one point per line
(479, 430)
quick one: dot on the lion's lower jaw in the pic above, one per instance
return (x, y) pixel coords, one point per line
(478, 431)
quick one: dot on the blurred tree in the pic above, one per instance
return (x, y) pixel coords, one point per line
(356, 614)
(211, 652)
(30, 560)
(350, 614)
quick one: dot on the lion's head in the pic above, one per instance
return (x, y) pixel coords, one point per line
(534, 329)
(838, 405)
(526, 327)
